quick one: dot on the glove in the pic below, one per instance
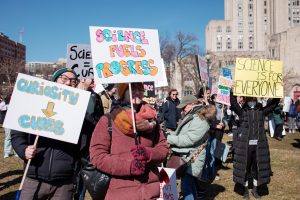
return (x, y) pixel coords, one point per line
(140, 153)
(145, 125)
(137, 167)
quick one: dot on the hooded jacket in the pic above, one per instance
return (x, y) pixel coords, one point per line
(188, 137)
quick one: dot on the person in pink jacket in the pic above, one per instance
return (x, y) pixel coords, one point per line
(133, 168)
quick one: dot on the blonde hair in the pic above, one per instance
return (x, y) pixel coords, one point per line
(208, 112)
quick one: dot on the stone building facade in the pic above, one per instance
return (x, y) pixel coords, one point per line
(258, 29)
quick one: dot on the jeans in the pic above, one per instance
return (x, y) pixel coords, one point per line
(291, 122)
(7, 142)
(189, 187)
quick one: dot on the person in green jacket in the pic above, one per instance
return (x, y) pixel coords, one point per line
(189, 139)
(278, 120)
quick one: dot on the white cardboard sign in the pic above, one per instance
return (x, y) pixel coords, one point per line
(287, 104)
(164, 81)
(124, 55)
(47, 109)
(168, 184)
(79, 58)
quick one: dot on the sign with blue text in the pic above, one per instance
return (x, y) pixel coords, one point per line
(125, 55)
(46, 109)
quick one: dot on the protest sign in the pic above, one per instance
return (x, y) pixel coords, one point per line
(258, 78)
(125, 55)
(168, 184)
(287, 104)
(99, 88)
(203, 69)
(223, 95)
(149, 94)
(226, 72)
(79, 58)
(47, 109)
(164, 81)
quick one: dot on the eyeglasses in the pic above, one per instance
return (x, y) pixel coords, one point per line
(174, 94)
(64, 79)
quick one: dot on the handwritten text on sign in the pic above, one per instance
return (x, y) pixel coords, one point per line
(49, 109)
(258, 78)
(223, 95)
(125, 55)
(79, 58)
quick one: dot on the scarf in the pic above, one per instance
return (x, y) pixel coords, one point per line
(144, 119)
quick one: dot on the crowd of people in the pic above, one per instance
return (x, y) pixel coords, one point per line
(191, 128)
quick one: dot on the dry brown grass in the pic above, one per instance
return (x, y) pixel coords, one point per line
(285, 183)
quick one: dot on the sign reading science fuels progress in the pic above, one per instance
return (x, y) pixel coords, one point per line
(125, 55)
(258, 78)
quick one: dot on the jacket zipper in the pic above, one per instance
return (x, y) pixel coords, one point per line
(50, 164)
(257, 148)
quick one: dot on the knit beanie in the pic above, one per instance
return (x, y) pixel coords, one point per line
(59, 72)
(122, 87)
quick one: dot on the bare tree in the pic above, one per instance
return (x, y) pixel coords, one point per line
(183, 50)
(8, 71)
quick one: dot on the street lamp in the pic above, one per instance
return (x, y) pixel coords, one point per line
(208, 61)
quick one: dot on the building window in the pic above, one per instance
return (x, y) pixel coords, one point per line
(228, 42)
(251, 42)
(219, 29)
(187, 91)
(219, 43)
(228, 29)
(265, 11)
(265, 3)
(240, 44)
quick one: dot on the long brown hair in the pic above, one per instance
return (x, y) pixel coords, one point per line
(208, 112)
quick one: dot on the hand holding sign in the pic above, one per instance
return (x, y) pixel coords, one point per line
(30, 152)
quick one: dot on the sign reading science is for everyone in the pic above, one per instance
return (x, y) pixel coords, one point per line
(125, 55)
(47, 109)
(258, 78)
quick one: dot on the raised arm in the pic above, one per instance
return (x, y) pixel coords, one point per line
(234, 105)
(271, 105)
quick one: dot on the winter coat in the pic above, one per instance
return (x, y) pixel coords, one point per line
(54, 160)
(188, 137)
(292, 111)
(106, 101)
(278, 116)
(111, 154)
(171, 113)
(252, 127)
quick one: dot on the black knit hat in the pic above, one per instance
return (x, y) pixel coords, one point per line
(60, 72)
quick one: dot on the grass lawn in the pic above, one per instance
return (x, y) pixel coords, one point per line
(285, 182)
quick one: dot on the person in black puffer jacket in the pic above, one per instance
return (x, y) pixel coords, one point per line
(252, 156)
(51, 171)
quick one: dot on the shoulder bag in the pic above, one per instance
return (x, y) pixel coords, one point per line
(179, 164)
(95, 181)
